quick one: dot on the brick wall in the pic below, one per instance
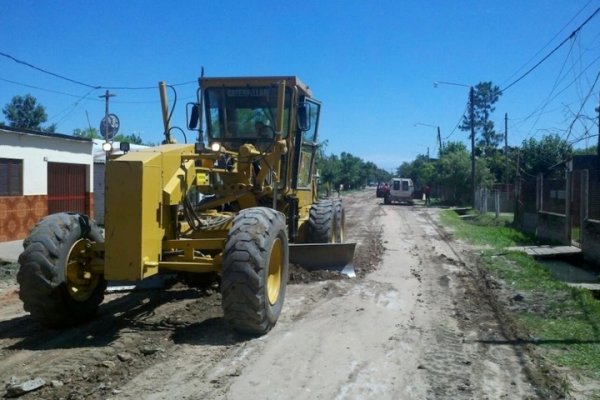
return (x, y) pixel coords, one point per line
(19, 214)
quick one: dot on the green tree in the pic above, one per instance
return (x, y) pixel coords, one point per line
(452, 147)
(420, 170)
(329, 167)
(590, 150)
(538, 156)
(90, 133)
(454, 176)
(50, 128)
(131, 138)
(24, 112)
(350, 170)
(485, 95)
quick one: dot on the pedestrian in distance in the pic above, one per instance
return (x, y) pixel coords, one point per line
(427, 191)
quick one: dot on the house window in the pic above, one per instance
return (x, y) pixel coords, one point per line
(11, 177)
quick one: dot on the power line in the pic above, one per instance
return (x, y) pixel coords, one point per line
(73, 107)
(39, 88)
(578, 114)
(563, 89)
(83, 83)
(458, 123)
(550, 41)
(47, 72)
(78, 96)
(558, 79)
(572, 35)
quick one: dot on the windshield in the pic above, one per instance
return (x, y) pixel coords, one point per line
(243, 113)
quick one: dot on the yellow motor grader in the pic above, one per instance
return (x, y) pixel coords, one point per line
(240, 203)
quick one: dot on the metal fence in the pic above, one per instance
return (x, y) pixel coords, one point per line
(594, 194)
(553, 192)
(500, 199)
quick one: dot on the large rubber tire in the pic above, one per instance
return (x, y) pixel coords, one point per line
(255, 270)
(340, 221)
(321, 222)
(44, 289)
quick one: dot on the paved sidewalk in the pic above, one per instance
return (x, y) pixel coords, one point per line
(10, 251)
(547, 251)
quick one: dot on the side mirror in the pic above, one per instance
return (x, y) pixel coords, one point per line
(193, 111)
(303, 117)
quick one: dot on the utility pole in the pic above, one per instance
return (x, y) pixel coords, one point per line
(109, 126)
(598, 148)
(472, 124)
(506, 149)
(107, 96)
(439, 138)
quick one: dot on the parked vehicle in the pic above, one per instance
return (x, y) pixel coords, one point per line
(400, 191)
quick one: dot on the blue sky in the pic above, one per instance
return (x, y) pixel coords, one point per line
(371, 63)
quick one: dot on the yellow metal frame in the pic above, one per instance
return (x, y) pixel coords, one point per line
(145, 190)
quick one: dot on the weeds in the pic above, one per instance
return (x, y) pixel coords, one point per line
(563, 321)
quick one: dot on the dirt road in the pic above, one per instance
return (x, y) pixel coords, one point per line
(415, 324)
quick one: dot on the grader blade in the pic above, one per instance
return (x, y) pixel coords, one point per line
(324, 256)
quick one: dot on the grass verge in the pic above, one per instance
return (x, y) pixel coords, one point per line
(562, 321)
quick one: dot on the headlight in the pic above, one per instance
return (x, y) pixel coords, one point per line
(106, 146)
(215, 146)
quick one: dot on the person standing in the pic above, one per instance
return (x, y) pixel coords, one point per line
(427, 191)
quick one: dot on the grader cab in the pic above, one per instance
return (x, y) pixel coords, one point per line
(240, 203)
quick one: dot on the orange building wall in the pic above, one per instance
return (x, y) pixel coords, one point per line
(18, 214)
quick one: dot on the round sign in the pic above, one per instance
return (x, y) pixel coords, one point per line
(109, 126)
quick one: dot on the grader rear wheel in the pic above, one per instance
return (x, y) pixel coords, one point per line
(255, 270)
(56, 285)
(322, 223)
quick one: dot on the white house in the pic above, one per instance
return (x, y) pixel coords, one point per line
(41, 174)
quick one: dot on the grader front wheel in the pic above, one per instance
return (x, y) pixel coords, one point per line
(56, 286)
(255, 270)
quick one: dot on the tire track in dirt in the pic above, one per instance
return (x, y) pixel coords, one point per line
(488, 369)
(434, 342)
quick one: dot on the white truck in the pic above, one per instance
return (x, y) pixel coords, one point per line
(400, 191)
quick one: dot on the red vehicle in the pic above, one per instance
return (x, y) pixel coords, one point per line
(382, 188)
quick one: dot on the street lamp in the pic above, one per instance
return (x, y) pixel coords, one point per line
(471, 125)
(439, 136)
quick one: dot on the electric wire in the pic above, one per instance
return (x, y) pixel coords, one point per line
(578, 114)
(554, 86)
(549, 41)
(71, 107)
(48, 72)
(114, 101)
(458, 123)
(45, 71)
(40, 88)
(572, 35)
(571, 83)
